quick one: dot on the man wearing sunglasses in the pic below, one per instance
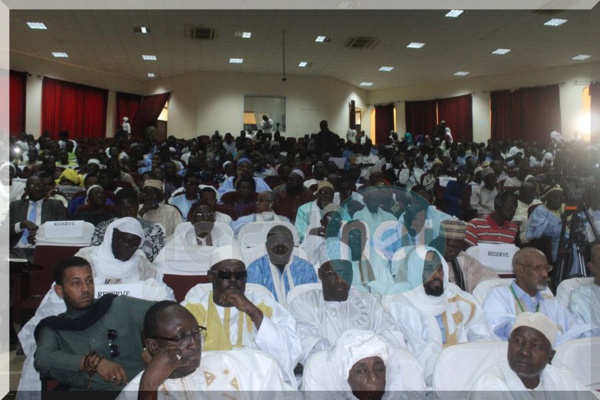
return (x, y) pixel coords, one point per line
(95, 344)
(324, 314)
(237, 318)
(528, 292)
(173, 340)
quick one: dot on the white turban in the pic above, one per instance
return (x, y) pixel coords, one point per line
(333, 249)
(228, 252)
(351, 347)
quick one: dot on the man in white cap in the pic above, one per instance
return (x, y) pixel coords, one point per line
(154, 209)
(483, 195)
(434, 313)
(237, 318)
(527, 292)
(264, 212)
(527, 368)
(324, 314)
(126, 126)
(293, 196)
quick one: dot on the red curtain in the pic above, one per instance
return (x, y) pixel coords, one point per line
(595, 111)
(420, 117)
(17, 83)
(384, 122)
(458, 114)
(148, 112)
(77, 109)
(529, 114)
(352, 111)
(127, 106)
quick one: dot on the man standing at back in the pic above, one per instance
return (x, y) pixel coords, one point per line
(95, 344)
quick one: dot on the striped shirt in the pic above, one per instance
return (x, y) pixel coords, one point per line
(486, 230)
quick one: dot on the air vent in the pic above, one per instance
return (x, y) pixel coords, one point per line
(202, 33)
(361, 42)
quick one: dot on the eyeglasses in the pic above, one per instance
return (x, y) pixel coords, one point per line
(227, 275)
(539, 267)
(199, 333)
(114, 349)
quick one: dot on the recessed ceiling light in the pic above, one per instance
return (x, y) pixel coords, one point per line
(304, 64)
(321, 39)
(141, 29)
(461, 73)
(236, 60)
(366, 84)
(386, 69)
(555, 22)
(36, 25)
(149, 57)
(500, 51)
(245, 35)
(454, 13)
(415, 45)
(151, 75)
(60, 54)
(581, 57)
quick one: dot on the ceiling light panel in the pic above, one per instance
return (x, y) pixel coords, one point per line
(581, 57)
(151, 75)
(304, 64)
(149, 57)
(386, 69)
(454, 13)
(60, 54)
(415, 45)
(501, 51)
(366, 84)
(321, 39)
(244, 35)
(36, 25)
(461, 73)
(555, 22)
(236, 60)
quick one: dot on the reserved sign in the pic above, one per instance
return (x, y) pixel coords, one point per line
(497, 256)
(63, 229)
(121, 289)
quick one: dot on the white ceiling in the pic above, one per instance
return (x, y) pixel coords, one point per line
(103, 40)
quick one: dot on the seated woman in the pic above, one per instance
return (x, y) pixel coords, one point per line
(117, 260)
(95, 209)
(361, 365)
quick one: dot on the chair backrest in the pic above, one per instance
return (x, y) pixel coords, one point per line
(481, 290)
(48, 257)
(299, 289)
(254, 234)
(563, 292)
(43, 238)
(253, 253)
(580, 358)
(458, 367)
(181, 284)
(401, 364)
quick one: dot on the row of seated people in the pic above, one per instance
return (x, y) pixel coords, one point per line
(432, 313)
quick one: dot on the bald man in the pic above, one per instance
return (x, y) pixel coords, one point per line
(527, 293)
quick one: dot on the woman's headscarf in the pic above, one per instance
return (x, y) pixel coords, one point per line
(71, 175)
(408, 138)
(104, 263)
(89, 191)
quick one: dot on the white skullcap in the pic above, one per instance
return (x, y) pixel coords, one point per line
(539, 322)
(476, 170)
(228, 252)
(298, 172)
(333, 249)
(548, 157)
(94, 161)
(125, 119)
(354, 345)
(87, 193)
(155, 183)
(486, 171)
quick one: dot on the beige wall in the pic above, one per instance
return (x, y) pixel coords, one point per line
(571, 94)
(204, 102)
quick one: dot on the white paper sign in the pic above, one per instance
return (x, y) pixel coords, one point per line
(123, 289)
(63, 229)
(497, 256)
(445, 179)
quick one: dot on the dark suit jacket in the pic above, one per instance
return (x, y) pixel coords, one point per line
(52, 210)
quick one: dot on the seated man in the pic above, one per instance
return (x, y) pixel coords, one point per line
(496, 227)
(72, 347)
(278, 270)
(184, 201)
(153, 208)
(527, 372)
(526, 293)
(373, 214)
(585, 300)
(434, 313)
(360, 365)
(324, 314)
(127, 205)
(236, 318)
(244, 167)
(546, 220)
(172, 337)
(292, 195)
(264, 212)
(27, 215)
(483, 194)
